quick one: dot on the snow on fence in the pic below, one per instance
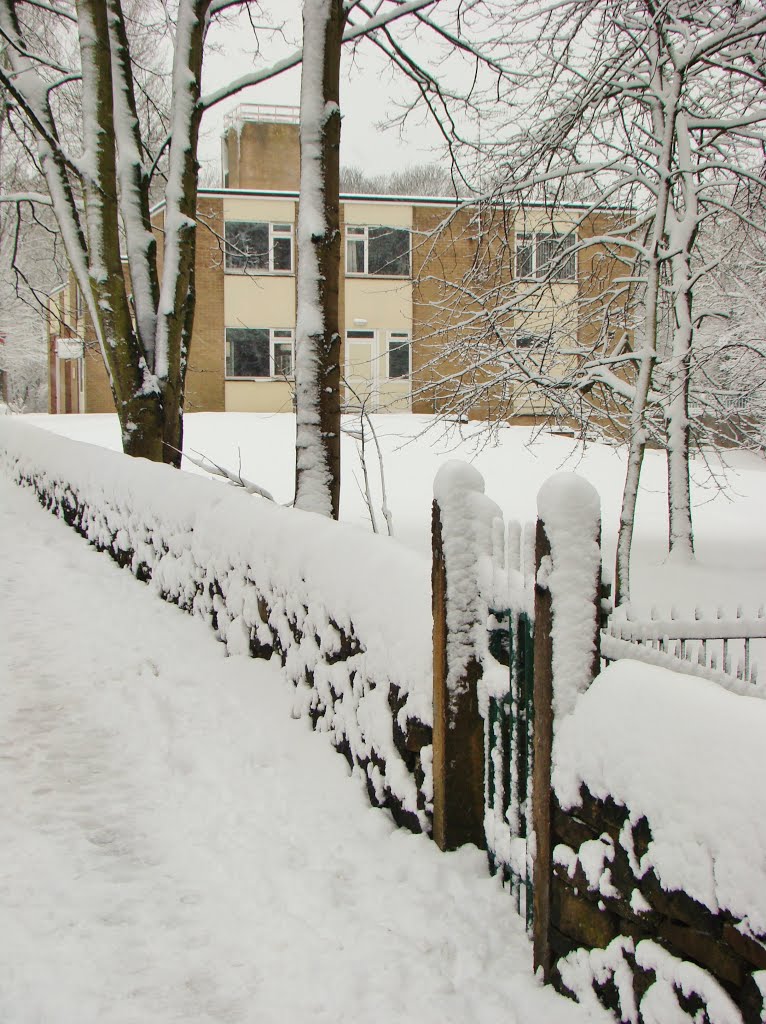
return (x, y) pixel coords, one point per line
(720, 648)
(644, 824)
(346, 612)
(484, 654)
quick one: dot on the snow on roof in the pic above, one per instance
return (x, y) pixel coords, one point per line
(367, 197)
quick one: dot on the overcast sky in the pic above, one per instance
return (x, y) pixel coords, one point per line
(370, 91)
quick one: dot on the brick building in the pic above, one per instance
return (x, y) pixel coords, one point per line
(399, 306)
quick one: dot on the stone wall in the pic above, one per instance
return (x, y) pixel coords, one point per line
(599, 899)
(196, 544)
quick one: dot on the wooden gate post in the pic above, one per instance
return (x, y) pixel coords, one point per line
(458, 731)
(541, 763)
(567, 624)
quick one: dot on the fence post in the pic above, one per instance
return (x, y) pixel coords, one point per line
(567, 623)
(458, 729)
(541, 763)
(467, 531)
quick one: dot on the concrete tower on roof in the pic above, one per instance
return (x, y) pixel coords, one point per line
(260, 148)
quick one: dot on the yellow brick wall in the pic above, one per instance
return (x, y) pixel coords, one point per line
(264, 156)
(204, 378)
(442, 260)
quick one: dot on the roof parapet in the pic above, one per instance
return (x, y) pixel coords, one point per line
(263, 113)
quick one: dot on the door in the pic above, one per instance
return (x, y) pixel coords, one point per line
(71, 380)
(361, 371)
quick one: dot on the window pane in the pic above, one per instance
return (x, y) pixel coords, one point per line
(524, 264)
(247, 245)
(550, 250)
(389, 251)
(283, 254)
(355, 256)
(247, 352)
(398, 358)
(283, 358)
(568, 270)
(547, 249)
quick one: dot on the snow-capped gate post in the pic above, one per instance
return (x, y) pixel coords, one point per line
(467, 543)
(567, 604)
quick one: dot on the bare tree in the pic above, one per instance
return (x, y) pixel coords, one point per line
(103, 185)
(317, 368)
(28, 266)
(414, 180)
(644, 121)
(101, 176)
(729, 370)
(317, 335)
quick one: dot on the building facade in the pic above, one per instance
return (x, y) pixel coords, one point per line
(401, 309)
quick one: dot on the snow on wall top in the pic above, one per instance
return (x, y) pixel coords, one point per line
(359, 578)
(691, 757)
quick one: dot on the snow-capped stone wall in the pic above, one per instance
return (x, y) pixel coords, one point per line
(658, 904)
(348, 613)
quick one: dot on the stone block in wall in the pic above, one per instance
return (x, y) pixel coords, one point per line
(578, 918)
(634, 923)
(569, 829)
(702, 948)
(602, 815)
(752, 1002)
(748, 949)
(678, 906)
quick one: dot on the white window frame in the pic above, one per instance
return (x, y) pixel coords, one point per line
(399, 336)
(361, 232)
(277, 336)
(277, 230)
(534, 238)
(529, 340)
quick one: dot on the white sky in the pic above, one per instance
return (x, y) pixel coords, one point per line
(370, 90)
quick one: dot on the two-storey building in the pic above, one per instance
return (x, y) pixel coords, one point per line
(399, 307)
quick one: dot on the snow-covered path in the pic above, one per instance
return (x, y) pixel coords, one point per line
(175, 848)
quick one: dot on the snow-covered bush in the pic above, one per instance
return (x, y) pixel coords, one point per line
(347, 613)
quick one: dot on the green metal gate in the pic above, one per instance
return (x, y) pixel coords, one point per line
(508, 757)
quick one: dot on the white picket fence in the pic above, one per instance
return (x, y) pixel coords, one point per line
(724, 649)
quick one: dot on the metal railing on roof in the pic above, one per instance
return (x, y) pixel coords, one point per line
(265, 113)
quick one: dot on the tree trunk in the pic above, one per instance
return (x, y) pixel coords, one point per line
(317, 363)
(685, 226)
(664, 114)
(680, 531)
(136, 395)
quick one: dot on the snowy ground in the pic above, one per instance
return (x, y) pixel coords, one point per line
(731, 544)
(174, 847)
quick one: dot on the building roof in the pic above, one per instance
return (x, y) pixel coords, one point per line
(365, 197)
